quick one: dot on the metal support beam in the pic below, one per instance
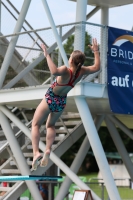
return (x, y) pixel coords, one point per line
(0, 16)
(96, 9)
(23, 167)
(30, 27)
(60, 150)
(59, 54)
(120, 146)
(12, 156)
(80, 28)
(104, 16)
(88, 121)
(31, 66)
(17, 64)
(103, 43)
(65, 127)
(63, 54)
(97, 147)
(52, 76)
(77, 162)
(74, 167)
(121, 126)
(13, 42)
(53, 157)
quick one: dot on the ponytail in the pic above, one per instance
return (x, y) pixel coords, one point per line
(78, 59)
(78, 69)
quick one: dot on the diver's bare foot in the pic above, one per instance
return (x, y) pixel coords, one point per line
(45, 158)
(36, 160)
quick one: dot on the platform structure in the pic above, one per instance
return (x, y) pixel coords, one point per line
(29, 178)
(88, 101)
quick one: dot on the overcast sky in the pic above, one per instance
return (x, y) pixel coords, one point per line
(64, 11)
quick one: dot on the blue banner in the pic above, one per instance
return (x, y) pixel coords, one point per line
(120, 70)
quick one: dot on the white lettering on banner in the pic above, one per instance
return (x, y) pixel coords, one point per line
(121, 54)
(119, 81)
(113, 52)
(130, 55)
(122, 62)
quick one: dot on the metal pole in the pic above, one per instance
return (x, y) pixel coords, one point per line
(102, 191)
(0, 16)
(74, 167)
(104, 16)
(59, 54)
(121, 126)
(103, 43)
(80, 29)
(97, 147)
(77, 162)
(9, 10)
(23, 167)
(13, 42)
(55, 32)
(89, 15)
(50, 191)
(53, 157)
(120, 146)
(52, 77)
(87, 119)
(48, 28)
(30, 27)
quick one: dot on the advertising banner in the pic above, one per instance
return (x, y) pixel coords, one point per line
(120, 70)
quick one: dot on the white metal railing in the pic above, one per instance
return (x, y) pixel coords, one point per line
(27, 46)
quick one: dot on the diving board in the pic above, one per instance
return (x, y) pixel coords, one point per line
(29, 178)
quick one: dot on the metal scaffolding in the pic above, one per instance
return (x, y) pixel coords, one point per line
(12, 99)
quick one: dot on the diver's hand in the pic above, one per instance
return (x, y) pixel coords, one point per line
(94, 46)
(44, 50)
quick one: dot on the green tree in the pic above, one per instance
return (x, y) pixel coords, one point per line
(69, 47)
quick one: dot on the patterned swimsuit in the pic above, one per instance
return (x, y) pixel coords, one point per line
(55, 102)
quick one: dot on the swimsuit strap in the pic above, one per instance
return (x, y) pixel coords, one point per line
(70, 83)
(74, 79)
